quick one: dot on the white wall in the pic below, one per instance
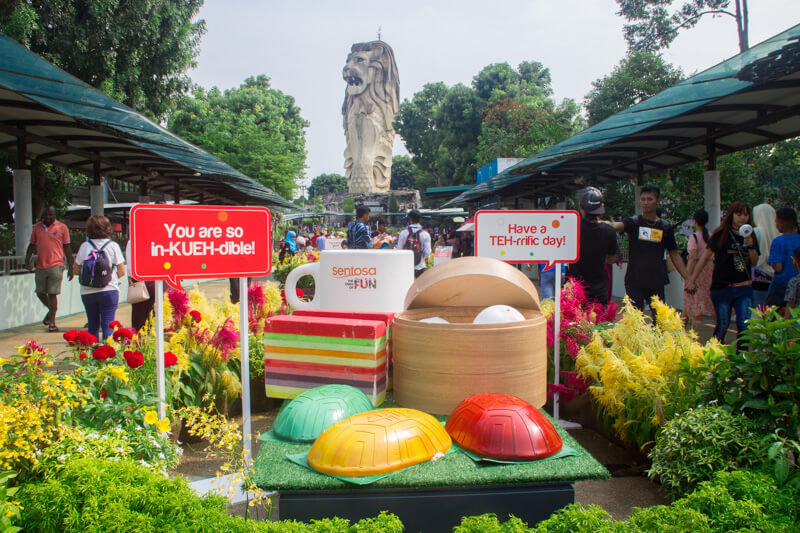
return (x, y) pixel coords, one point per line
(673, 292)
(19, 305)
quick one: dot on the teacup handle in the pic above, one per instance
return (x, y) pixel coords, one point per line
(309, 269)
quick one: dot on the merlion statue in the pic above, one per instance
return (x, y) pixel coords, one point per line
(371, 101)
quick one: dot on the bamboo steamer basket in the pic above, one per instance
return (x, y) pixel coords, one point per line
(436, 366)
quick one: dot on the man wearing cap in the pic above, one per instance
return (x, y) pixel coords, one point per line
(598, 247)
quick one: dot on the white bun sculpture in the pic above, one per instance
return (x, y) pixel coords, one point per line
(498, 314)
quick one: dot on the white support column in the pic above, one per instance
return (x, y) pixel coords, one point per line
(712, 198)
(23, 210)
(637, 206)
(97, 199)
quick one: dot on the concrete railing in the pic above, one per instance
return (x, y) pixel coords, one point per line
(21, 307)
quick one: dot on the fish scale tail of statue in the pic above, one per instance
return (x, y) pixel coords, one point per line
(371, 101)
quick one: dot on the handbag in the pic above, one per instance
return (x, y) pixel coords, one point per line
(137, 292)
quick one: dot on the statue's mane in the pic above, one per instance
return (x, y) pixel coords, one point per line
(386, 91)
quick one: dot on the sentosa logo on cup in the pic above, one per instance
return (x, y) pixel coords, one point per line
(350, 271)
(356, 280)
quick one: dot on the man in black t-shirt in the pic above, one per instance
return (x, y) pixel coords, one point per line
(598, 247)
(649, 236)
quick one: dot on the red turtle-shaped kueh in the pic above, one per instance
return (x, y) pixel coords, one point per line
(503, 427)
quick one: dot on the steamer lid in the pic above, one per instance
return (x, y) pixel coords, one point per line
(473, 282)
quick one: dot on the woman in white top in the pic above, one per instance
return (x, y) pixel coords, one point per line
(100, 302)
(766, 230)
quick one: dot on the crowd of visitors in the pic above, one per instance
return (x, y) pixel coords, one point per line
(751, 259)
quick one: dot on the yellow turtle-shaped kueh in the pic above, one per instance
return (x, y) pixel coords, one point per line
(378, 442)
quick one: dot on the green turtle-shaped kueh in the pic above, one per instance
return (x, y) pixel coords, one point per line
(317, 409)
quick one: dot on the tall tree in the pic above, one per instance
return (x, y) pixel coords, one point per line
(515, 128)
(404, 174)
(325, 183)
(136, 52)
(415, 125)
(653, 26)
(499, 80)
(637, 77)
(254, 128)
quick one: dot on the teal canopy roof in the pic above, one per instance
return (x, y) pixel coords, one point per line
(746, 101)
(66, 122)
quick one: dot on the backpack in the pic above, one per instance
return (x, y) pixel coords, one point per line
(413, 244)
(96, 269)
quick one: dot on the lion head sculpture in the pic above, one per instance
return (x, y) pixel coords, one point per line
(371, 101)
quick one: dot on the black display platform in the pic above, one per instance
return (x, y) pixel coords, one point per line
(428, 509)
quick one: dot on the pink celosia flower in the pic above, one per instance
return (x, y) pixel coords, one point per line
(225, 338)
(180, 303)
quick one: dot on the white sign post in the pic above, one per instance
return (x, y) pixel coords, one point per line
(550, 237)
(244, 348)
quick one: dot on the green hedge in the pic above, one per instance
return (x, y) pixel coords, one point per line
(732, 501)
(103, 496)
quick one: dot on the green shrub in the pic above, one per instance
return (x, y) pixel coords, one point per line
(577, 518)
(147, 447)
(694, 445)
(667, 519)
(763, 381)
(106, 496)
(9, 510)
(743, 501)
(489, 523)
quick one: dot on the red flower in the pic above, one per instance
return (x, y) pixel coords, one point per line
(103, 352)
(123, 335)
(103, 393)
(196, 316)
(84, 338)
(180, 303)
(133, 359)
(225, 338)
(170, 359)
(70, 336)
(82, 355)
(115, 324)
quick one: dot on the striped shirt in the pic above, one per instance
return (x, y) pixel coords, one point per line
(358, 235)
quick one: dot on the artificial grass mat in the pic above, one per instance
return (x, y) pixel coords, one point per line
(273, 471)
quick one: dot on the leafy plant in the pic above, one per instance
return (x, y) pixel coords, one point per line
(123, 496)
(280, 270)
(744, 501)
(9, 509)
(576, 518)
(489, 523)
(35, 404)
(667, 519)
(782, 456)
(696, 444)
(763, 381)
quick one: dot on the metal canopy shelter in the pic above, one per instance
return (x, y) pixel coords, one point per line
(51, 116)
(749, 100)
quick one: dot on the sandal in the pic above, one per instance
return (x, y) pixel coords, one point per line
(52, 328)
(46, 319)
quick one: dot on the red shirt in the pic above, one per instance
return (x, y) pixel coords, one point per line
(50, 243)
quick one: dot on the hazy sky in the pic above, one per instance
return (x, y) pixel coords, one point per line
(302, 47)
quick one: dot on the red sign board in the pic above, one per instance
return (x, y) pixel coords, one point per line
(190, 242)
